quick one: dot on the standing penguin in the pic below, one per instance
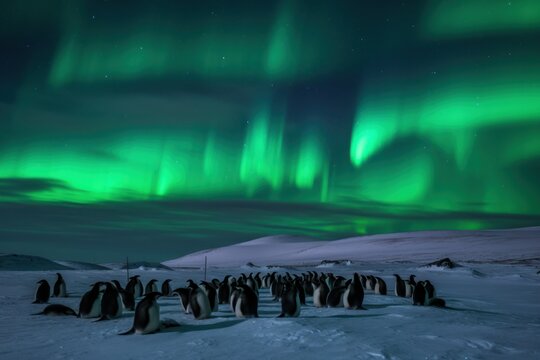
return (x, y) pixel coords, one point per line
(43, 292)
(224, 290)
(380, 286)
(370, 282)
(128, 300)
(90, 305)
(247, 304)
(146, 320)
(111, 303)
(409, 286)
(430, 290)
(320, 293)
(399, 288)
(290, 301)
(134, 286)
(199, 302)
(166, 288)
(183, 294)
(354, 295)
(419, 294)
(59, 289)
(211, 292)
(150, 287)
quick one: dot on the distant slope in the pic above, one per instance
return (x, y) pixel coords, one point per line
(16, 262)
(485, 245)
(79, 265)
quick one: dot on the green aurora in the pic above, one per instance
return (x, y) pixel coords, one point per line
(204, 124)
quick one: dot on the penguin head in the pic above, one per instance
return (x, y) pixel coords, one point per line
(397, 276)
(41, 281)
(59, 275)
(191, 284)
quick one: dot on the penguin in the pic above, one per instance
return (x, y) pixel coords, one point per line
(437, 302)
(335, 296)
(354, 295)
(300, 289)
(59, 289)
(290, 301)
(128, 300)
(146, 320)
(320, 294)
(150, 287)
(166, 288)
(250, 281)
(134, 286)
(409, 286)
(419, 294)
(111, 303)
(57, 310)
(235, 294)
(399, 288)
(258, 280)
(183, 294)
(370, 282)
(380, 286)
(430, 289)
(306, 284)
(247, 304)
(198, 302)
(224, 290)
(90, 305)
(211, 292)
(43, 292)
(363, 278)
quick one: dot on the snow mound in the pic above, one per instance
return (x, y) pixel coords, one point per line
(417, 247)
(16, 262)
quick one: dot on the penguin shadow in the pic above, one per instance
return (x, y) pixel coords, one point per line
(342, 316)
(381, 306)
(474, 311)
(202, 327)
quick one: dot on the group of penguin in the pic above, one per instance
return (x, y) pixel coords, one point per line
(108, 300)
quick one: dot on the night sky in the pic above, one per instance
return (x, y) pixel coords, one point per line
(154, 129)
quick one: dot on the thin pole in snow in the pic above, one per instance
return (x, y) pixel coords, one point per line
(127, 268)
(205, 264)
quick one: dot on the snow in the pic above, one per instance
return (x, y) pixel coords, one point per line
(493, 310)
(494, 245)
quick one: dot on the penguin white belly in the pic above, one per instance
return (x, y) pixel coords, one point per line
(120, 306)
(204, 305)
(408, 289)
(62, 290)
(346, 298)
(238, 308)
(95, 311)
(138, 290)
(153, 320)
(317, 297)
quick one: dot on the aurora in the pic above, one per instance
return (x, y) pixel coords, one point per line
(203, 124)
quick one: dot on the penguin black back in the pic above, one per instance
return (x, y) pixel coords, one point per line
(59, 289)
(43, 292)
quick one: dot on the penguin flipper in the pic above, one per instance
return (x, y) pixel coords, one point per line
(129, 332)
(103, 317)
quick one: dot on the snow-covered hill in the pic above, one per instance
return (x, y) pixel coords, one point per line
(485, 245)
(28, 263)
